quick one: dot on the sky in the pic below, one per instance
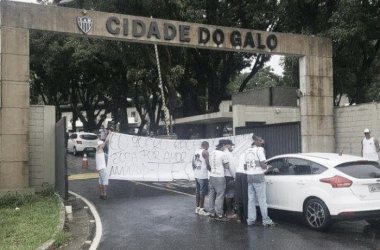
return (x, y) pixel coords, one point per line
(274, 62)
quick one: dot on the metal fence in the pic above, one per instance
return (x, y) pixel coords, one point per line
(61, 177)
(282, 138)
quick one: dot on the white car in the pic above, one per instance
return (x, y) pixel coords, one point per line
(82, 142)
(324, 187)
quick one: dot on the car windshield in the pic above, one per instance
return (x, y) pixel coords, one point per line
(88, 137)
(360, 170)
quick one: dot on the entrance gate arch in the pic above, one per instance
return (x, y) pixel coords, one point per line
(16, 19)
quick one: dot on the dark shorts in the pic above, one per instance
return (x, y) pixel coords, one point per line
(230, 187)
(201, 186)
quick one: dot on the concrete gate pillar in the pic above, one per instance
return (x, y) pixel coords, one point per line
(14, 108)
(317, 102)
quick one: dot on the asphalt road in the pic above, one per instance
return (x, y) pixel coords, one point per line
(161, 216)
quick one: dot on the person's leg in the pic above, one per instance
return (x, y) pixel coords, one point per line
(238, 202)
(244, 195)
(220, 188)
(103, 177)
(212, 196)
(203, 191)
(251, 205)
(100, 186)
(104, 190)
(228, 202)
(197, 194)
(262, 199)
(100, 190)
(228, 197)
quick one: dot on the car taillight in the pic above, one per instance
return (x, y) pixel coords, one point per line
(79, 142)
(337, 181)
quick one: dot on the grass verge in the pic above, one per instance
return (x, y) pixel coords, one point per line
(27, 221)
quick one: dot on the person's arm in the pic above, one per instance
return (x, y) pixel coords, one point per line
(233, 169)
(226, 165)
(206, 155)
(262, 158)
(377, 145)
(108, 137)
(100, 148)
(362, 149)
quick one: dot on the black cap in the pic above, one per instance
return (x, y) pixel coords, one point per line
(221, 143)
(228, 142)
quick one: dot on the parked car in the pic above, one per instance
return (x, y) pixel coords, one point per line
(80, 142)
(324, 187)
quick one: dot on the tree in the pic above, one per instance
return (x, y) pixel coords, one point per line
(354, 28)
(264, 78)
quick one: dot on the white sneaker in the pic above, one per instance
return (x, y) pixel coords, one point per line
(202, 211)
(197, 210)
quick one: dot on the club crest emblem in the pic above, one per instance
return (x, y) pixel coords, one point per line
(84, 23)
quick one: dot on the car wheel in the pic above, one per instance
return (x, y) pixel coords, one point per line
(75, 152)
(374, 222)
(316, 215)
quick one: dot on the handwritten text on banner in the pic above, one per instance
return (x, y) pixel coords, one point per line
(153, 159)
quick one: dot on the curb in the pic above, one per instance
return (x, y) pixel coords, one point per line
(61, 224)
(98, 222)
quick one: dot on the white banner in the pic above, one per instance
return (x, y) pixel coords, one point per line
(153, 159)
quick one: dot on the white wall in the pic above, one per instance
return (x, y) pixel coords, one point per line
(269, 115)
(350, 122)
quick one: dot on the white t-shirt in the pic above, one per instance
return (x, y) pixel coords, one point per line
(231, 162)
(369, 149)
(253, 157)
(100, 161)
(217, 159)
(200, 171)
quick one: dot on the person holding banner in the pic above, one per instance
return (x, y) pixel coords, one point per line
(218, 162)
(101, 169)
(101, 165)
(201, 165)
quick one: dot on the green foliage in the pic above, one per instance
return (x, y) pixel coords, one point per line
(61, 238)
(27, 220)
(12, 200)
(265, 77)
(354, 27)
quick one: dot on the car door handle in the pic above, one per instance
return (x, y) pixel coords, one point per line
(301, 183)
(269, 182)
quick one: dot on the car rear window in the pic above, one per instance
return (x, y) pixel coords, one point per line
(89, 137)
(360, 170)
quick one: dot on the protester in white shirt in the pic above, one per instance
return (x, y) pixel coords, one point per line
(370, 146)
(200, 166)
(255, 164)
(218, 162)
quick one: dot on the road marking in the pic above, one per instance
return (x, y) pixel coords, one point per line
(98, 222)
(85, 176)
(161, 188)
